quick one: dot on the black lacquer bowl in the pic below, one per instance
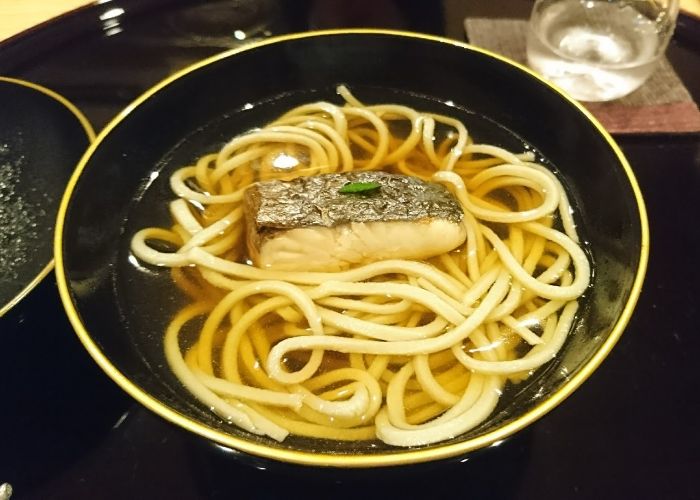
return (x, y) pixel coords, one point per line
(121, 321)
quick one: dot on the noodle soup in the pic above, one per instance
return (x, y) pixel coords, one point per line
(409, 351)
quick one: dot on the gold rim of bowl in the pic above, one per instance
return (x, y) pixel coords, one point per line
(398, 456)
(5, 308)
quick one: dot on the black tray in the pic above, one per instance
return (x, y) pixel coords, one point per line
(66, 431)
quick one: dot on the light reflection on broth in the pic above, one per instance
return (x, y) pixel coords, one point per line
(407, 351)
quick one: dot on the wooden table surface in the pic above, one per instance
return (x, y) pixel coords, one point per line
(18, 15)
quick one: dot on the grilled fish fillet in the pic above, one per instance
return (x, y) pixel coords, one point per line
(307, 224)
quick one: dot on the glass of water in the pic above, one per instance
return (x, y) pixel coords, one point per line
(599, 50)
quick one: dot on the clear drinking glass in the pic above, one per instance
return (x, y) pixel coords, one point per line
(599, 50)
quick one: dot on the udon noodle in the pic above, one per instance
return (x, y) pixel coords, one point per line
(408, 352)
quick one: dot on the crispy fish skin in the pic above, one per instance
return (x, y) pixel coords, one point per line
(307, 224)
(315, 201)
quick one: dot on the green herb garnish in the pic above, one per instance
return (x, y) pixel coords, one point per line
(359, 188)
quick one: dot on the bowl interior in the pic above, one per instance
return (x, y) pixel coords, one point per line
(123, 186)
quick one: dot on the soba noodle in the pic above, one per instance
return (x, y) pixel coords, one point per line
(407, 352)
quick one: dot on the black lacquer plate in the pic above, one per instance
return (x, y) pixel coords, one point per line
(42, 137)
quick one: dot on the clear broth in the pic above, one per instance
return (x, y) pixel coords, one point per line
(136, 285)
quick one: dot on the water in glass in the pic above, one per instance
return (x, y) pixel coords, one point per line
(595, 49)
